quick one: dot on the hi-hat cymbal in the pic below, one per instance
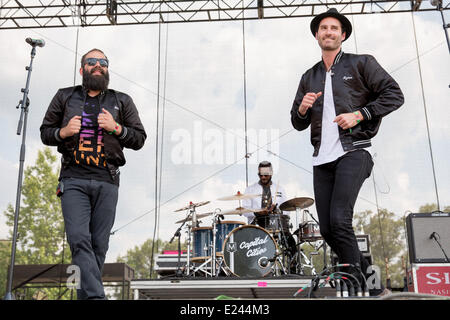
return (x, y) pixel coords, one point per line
(192, 205)
(293, 204)
(199, 216)
(240, 196)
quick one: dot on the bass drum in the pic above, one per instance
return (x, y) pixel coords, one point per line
(247, 251)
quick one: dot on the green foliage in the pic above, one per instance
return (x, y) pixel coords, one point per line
(139, 258)
(40, 225)
(431, 207)
(387, 242)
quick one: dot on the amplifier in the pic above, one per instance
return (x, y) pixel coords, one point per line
(428, 237)
(167, 263)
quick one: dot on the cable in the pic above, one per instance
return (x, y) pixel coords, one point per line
(245, 95)
(316, 279)
(425, 112)
(379, 219)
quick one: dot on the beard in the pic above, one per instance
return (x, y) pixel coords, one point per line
(96, 82)
(335, 44)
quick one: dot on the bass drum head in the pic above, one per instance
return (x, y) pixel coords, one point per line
(247, 251)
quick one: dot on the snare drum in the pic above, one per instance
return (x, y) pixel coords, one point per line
(247, 251)
(222, 231)
(202, 240)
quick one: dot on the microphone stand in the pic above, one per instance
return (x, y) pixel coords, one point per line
(24, 103)
(177, 234)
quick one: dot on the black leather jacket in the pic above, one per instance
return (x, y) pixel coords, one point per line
(69, 102)
(359, 84)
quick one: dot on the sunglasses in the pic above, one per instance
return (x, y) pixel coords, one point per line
(93, 61)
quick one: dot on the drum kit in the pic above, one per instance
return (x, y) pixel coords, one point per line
(234, 248)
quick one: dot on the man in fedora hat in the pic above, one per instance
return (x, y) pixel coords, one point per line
(343, 97)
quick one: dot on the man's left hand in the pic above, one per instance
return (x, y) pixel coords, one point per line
(348, 120)
(106, 120)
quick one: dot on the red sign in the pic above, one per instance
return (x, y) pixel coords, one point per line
(432, 278)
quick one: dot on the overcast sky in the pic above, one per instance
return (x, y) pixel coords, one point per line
(202, 101)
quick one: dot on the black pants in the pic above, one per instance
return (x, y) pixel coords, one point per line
(336, 187)
(89, 209)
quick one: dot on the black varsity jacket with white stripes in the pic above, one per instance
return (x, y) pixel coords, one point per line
(359, 84)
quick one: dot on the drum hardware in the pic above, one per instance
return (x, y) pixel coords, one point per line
(214, 258)
(300, 256)
(179, 271)
(191, 217)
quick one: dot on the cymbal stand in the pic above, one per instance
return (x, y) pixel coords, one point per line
(324, 244)
(279, 265)
(212, 248)
(189, 237)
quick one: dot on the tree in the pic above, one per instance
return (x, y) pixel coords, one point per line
(140, 259)
(41, 234)
(431, 207)
(387, 242)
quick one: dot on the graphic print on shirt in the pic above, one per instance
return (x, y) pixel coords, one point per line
(90, 149)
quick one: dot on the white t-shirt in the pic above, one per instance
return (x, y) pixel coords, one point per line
(330, 145)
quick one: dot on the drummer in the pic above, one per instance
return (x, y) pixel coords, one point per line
(272, 195)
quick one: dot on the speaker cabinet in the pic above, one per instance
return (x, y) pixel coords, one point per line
(428, 237)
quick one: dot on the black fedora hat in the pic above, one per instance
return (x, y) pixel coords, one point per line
(346, 25)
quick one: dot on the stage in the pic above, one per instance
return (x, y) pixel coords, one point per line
(283, 287)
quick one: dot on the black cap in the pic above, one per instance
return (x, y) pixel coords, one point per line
(346, 25)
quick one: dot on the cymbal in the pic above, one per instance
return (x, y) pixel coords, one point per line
(240, 210)
(240, 196)
(192, 205)
(199, 216)
(293, 204)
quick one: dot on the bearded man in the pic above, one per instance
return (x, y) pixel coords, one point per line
(90, 125)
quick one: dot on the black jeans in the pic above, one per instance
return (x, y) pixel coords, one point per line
(336, 187)
(89, 210)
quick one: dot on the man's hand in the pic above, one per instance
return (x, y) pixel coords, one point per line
(266, 211)
(348, 120)
(308, 101)
(73, 127)
(106, 121)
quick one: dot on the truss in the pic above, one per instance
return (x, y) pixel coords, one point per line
(16, 14)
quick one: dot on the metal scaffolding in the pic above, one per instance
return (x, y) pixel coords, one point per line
(15, 14)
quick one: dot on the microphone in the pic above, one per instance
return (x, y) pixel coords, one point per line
(433, 235)
(35, 42)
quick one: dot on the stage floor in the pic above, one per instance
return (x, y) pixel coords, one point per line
(283, 287)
